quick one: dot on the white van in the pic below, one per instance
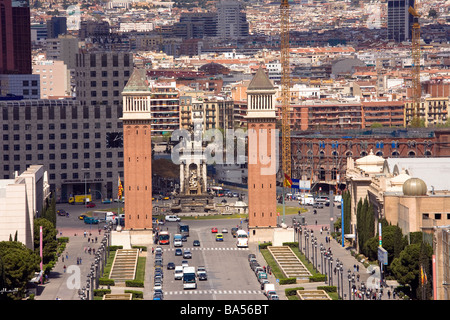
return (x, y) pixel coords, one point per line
(307, 200)
(178, 275)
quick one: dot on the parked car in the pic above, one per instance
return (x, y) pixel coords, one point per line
(219, 237)
(82, 216)
(105, 201)
(90, 205)
(224, 230)
(214, 230)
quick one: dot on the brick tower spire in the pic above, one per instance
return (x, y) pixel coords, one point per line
(262, 157)
(137, 156)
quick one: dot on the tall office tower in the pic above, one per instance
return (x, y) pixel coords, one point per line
(231, 20)
(262, 157)
(399, 20)
(56, 26)
(101, 76)
(90, 28)
(15, 37)
(196, 25)
(137, 152)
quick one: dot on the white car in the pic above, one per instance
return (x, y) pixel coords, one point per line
(158, 285)
(224, 230)
(172, 218)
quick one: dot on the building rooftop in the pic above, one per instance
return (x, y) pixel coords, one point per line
(137, 82)
(260, 81)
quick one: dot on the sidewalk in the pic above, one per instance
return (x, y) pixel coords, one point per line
(350, 263)
(64, 285)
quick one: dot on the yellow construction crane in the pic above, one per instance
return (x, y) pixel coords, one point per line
(285, 99)
(415, 68)
(285, 89)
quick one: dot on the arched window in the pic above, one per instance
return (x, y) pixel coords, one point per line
(427, 153)
(379, 153)
(322, 174)
(411, 154)
(395, 154)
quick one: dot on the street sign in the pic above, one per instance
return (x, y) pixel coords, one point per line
(382, 256)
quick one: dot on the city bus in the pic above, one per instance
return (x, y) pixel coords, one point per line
(164, 237)
(242, 239)
(183, 229)
(189, 278)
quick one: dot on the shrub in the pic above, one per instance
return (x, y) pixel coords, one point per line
(134, 283)
(101, 292)
(328, 288)
(292, 291)
(288, 280)
(106, 282)
(136, 294)
(291, 244)
(114, 248)
(318, 277)
(264, 245)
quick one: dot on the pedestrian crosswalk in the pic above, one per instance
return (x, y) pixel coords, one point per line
(210, 292)
(206, 248)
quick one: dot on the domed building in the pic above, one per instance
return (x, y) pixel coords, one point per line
(414, 187)
(213, 69)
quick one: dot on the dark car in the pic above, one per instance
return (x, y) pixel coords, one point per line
(61, 212)
(234, 231)
(178, 252)
(170, 266)
(196, 243)
(202, 276)
(184, 238)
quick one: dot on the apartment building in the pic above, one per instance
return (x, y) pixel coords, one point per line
(73, 142)
(434, 111)
(330, 115)
(216, 112)
(164, 106)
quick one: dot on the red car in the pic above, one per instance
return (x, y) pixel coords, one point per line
(90, 205)
(214, 230)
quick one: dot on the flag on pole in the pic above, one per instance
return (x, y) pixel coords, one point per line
(120, 189)
(287, 181)
(423, 276)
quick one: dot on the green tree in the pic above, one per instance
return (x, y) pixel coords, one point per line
(49, 242)
(347, 211)
(17, 265)
(406, 268)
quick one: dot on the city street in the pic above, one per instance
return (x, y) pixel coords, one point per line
(229, 274)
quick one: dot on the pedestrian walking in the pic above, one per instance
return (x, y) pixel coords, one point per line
(64, 268)
(389, 294)
(85, 233)
(357, 268)
(89, 240)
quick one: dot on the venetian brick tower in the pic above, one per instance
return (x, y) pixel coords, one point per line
(262, 158)
(137, 156)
